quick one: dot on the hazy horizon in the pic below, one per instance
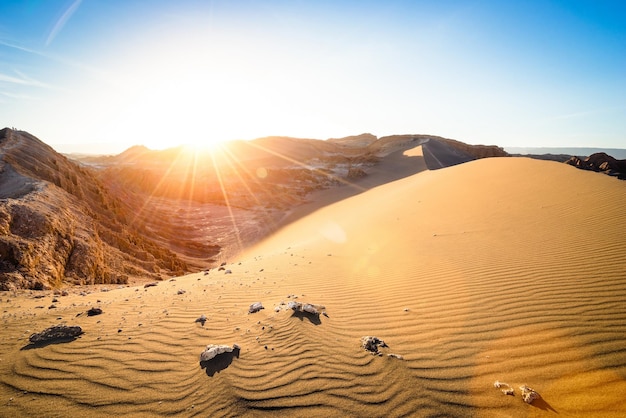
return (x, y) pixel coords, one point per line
(104, 148)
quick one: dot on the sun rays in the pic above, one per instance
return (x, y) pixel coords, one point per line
(257, 183)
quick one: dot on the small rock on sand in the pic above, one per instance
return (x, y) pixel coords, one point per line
(255, 307)
(94, 311)
(202, 319)
(504, 387)
(528, 394)
(307, 308)
(372, 344)
(213, 350)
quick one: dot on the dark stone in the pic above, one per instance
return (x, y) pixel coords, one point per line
(94, 311)
(56, 333)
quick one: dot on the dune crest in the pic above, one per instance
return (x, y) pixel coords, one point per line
(504, 269)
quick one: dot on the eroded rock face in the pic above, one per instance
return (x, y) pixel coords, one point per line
(56, 333)
(58, 223)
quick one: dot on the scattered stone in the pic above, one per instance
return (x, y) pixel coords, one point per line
(53, 306)
(55, 300)
(372, 344)
(119, 330)
(255, 307)
(181, 292)
(94, 312)
(528, 394)
(64, 293)
(228, 272)
(56, 333)
(212, 350)
(202, 319)
(398, 356)
(504, 387)
(151, 284)
(307, 308)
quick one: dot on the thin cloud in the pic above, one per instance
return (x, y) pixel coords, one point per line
(56, 58)
(17, 96)
(22, 80)
(58, 26)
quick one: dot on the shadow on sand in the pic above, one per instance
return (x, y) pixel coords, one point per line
(314, 319)
(31, 346)
(542, 404)
(219, 362)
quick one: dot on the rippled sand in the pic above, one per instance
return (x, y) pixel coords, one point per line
(503, 269)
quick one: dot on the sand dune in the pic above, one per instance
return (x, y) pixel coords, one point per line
(505, 269)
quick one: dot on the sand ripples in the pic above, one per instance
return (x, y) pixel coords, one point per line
(514, 287)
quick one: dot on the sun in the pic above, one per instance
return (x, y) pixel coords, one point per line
(188, 92)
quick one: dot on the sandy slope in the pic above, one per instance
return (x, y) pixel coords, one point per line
(504, 269)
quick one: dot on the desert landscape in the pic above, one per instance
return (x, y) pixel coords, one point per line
(475, 279)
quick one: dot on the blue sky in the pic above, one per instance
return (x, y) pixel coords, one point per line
(83, 74)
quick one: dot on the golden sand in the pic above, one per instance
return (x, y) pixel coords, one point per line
(504, 269)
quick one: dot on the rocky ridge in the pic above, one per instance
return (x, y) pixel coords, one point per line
(59, 224)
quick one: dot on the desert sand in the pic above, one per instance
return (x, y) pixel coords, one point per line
(506, 269)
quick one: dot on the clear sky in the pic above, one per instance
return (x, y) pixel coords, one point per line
(158, 73)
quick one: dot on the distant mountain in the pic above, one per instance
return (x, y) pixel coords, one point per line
(59, 223)
(618, 153)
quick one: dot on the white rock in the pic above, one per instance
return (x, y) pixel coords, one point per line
(528, 394)
(212, 350)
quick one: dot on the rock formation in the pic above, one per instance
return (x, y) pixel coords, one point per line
(601, 162)
(59, 224)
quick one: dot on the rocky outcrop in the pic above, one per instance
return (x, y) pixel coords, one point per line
(59, 224)
(600, 162)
